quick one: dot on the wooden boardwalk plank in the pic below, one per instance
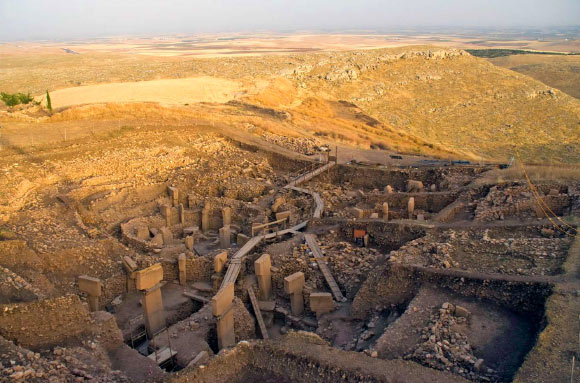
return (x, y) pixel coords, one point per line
(317, 253)
(258, 313)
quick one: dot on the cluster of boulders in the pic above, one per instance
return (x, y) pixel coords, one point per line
(302, 145)
(443, 347)
(426, 251)
(18, 364)
(479, 250)
(341, 74)
(503, 202)
(350, 264)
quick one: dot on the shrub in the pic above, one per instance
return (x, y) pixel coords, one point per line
(16, 98)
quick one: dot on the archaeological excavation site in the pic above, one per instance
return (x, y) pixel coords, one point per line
(333, 208)
(222, 260)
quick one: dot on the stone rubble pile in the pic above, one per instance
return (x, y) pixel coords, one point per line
(500, 203)
(61, 365)
(13, 285)
(349, 264)
(426, 251)
(444, 348)
(542, 254)
(302, 145)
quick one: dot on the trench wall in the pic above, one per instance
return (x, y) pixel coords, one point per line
(44, 323)
(387, 235)
(395, 284)
(377, 178)
(432, 202)
(305, 358)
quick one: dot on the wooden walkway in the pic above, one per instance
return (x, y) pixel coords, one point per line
(235, 264)
(236, 260)
(311, 241)
(308, 176)
(258, 313)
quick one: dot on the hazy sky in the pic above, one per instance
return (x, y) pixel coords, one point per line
(68, 19)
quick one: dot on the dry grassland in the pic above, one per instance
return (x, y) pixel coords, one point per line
(417, 100)
(561, 72)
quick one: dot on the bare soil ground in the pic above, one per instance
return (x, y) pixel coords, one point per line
(174, 91)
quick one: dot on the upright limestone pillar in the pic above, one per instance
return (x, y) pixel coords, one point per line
(262, 267)
(181, 213)
(93, 288)
(225, 237)
(386, 211)
(166, 212)
(411, 207)
(227, 216)
(173, 195)
(189, 242)
(181, 263)
(205, 215)
(222, 310)
(219, 262)
(321, 303)
(148, 280)
(293, 285)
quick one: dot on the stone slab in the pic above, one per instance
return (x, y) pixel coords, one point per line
(221, 302)
(283, 214)
(90, 285)
(149, 277)
(294, 283)
(219, 261)
(321, 303)
(225, 329)
(263, 265)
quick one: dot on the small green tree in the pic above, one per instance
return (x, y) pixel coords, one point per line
(48, 103)
(16, 98)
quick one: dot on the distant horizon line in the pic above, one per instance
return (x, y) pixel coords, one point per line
(364, 31)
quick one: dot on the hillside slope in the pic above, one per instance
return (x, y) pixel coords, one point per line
(418, 100)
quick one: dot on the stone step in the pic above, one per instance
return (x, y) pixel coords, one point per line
(163, 355)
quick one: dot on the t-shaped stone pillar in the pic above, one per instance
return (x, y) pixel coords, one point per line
(386, 211)
(166, 212)
(181, 264)
(277, 203)
(93, 288)
(222, 309)
(205, 217)
(225, 237)
(293, 285)
(411, 206)
(181, 213)
(219, 261)
(321, 303)
(173, 195)
(189, 241)
(262, 267)
(148, 280)
(227, 216)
